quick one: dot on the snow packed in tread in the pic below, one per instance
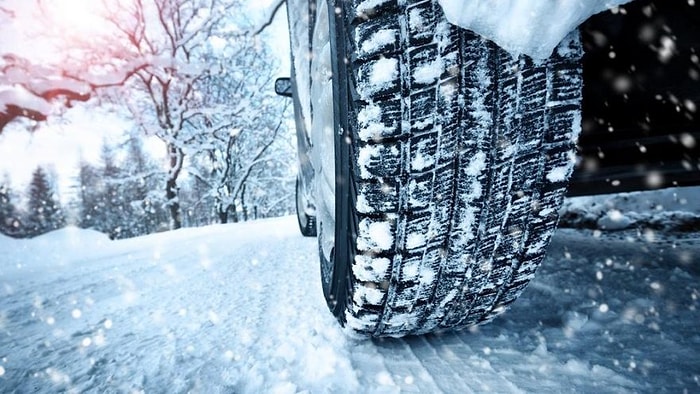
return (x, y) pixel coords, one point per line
(461, 179)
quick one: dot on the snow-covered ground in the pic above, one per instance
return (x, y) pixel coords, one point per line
(238, 308)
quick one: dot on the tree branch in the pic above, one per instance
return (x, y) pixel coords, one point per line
(275, 8)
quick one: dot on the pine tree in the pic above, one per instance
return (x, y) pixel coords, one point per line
(115, 209)
(45, 212)
(143, 212)
(9, 217)
(90, 195)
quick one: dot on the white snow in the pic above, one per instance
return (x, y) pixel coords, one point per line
(370, 121)
(420, 162)
(382, 72)
(369, 5)
(368, 295)
(378, 39)
(239, 308)
(369, 114)
(559, 174)
(373, 131)
(427, 276)
(371, 269)
(374, 235)
(477, 164)
(415, 240)
(364, 158)
(526, 27)
(665, 209)
(362, 205)
(415, 19)
(22, 98)
(429, 72)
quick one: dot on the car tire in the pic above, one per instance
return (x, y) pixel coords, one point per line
(452, 158)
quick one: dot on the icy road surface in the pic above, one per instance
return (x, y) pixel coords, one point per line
(238, 309)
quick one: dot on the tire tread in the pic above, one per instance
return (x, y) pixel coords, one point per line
(456, 171)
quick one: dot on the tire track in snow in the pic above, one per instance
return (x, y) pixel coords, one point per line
(396, 366)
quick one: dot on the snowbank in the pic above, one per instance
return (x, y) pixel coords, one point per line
(674, 209)
(531, 27)
(53, 250)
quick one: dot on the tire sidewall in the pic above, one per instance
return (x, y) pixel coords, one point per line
(335, 274)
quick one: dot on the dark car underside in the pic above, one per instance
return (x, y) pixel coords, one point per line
(641, 126)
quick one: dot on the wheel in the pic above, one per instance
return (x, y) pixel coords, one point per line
(306, 220)
(440, 163)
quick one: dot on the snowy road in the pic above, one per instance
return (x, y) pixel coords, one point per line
(238, 308)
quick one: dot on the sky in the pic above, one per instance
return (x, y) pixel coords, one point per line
(62, 141)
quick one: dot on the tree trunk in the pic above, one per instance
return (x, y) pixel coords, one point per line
(234, 213)
(243, 205)
(171, 190)
(223, 215)
(173, 204)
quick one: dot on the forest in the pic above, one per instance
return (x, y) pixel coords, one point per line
(192, 77)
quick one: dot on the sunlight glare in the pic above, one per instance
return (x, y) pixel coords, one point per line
(77, 16)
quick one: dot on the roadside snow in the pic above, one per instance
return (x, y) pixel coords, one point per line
(526, 27)
(238, 308)
(667, 209)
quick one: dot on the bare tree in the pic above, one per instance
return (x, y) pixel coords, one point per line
(242, 135)
(179, 36)
(189, 71)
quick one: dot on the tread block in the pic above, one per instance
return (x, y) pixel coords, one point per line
(377, 36)
(425, 65)
(377, 123)
(369, 268)
(377, 197)
(378, 78)
(423, 105)
(379, 160)
(376, 235)
(423, 149)
(420, 190)
(421, 21)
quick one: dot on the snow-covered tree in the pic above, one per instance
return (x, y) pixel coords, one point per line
(114, 207)
(116, 196)
(91, 193)
(270, 190)
(139, 180)
(243, 132)
(181, 37)
(191, 74)
(44, 208)
(9, 215)
(33, 87)
(28, 90)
